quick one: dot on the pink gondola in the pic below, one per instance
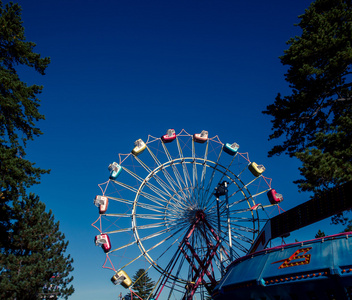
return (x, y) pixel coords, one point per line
(169, 136)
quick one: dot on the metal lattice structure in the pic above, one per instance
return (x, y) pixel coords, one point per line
(186, 204)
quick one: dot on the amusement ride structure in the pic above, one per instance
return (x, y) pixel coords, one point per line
(197, 210)
(189, 204)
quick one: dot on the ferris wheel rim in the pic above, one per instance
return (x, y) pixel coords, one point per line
(157, 198)
(184, 160)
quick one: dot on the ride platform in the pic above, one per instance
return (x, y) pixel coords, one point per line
(314, 269)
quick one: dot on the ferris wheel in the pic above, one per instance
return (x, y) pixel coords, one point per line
(187, 205)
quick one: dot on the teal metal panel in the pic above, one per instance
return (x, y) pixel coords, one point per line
(319, 268)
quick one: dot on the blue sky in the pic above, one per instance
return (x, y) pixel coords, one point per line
(121, 70)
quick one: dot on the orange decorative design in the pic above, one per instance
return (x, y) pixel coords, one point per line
(292, 260)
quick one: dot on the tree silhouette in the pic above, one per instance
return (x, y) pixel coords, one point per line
(314, 122)
(32, 249)
(143, 284)
(320, 234)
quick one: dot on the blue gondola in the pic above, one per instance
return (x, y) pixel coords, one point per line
(115, 170)
(231, 148)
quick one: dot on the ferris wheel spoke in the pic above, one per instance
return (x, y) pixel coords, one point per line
(125, 201)
(167, 188)
(194, 175)
(243, 228)
(228, 169)
(239, 211)
(132, 261)
(173, 212)
(184, 187)
(161, 201)
(202, 182)
(238, 250)
(152, 225)
(139, 178)
(241, 237)
(155, 234)
(118, 215)
(255, 179)
(239, 190)
(149, 170)
(123, 247)
(178, 231)
(177, 274)
(178, 183)
(119, 230)
(260, 193)
(193, 149)
(210, 182)
(144, 194)
(161, 193)
(179, 204)
(150, 207)
(181, 182)
(156, 160)
(183, 192)
(150, 216)
(161, 242)
(240, 219)
(226, 173)
(179, 148)
(186, 176)
(240, 247)
(238, 202)
(187, 183)
(213, 173)
(167, 153)
(168, 270)
(203, 175)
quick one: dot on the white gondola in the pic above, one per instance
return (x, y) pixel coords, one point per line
(102, 202)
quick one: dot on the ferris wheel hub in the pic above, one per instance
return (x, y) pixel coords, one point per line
(194, 215)
(200, 214)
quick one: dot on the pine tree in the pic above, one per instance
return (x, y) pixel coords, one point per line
(18, 104)
(320, 234)
(32, 249)
(34, 258)
(315, 121)
(143, 284)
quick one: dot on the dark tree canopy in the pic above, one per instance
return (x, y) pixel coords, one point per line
(32, 249)
(18, 103)
(143, 285)
(314, 122)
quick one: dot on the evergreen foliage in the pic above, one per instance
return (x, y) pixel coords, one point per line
(314, 123)
(31, 246)
(34, 256)
(18, 103)
(320, 234)
(143, 284)
(349, 226)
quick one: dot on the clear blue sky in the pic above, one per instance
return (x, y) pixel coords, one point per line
(121, 70)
